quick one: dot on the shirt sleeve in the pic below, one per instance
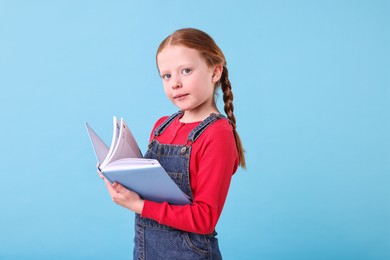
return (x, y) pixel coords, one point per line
(213, 163)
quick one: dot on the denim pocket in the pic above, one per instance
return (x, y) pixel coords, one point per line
(197, 243)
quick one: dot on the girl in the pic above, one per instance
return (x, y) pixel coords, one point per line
(198, 147)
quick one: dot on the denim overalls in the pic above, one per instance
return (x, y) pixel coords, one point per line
(156, 241)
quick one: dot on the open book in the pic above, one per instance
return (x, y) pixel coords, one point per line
(123, 163)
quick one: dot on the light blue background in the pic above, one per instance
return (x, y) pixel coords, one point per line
(311, 85)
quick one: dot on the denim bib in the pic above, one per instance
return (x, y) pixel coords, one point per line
(156, 241)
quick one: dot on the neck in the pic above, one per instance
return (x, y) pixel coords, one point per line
(190, 116)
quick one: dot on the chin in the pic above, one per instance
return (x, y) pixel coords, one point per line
(183, 108)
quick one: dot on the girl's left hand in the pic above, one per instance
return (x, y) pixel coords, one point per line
(125, 197)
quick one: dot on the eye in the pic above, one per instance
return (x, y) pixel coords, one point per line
(186, 71)
(166, 76)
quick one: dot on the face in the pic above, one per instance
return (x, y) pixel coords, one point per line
(188, 82)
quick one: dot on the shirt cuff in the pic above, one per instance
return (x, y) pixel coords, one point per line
(151, 210)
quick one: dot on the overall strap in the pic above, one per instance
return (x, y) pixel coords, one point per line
(197, 131)
(158, 131)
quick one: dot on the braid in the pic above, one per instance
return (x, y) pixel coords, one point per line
(228, 96)
(229, 108)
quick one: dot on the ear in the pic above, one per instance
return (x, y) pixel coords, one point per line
(217, 73)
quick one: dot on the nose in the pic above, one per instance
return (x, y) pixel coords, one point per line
(176, 83)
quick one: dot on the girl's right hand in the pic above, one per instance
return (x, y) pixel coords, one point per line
(122, 196)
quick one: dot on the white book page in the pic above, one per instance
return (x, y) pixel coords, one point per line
(126, 146)
(100, 148)
(115, 138)
(132, 163)
(129, 141)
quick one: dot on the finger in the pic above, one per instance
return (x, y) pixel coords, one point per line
(120, 188)
(118, 193)
(110, 189)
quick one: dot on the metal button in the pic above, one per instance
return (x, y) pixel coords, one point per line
(183, 150)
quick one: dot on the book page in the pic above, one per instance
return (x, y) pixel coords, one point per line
(129, 141)
(115, 138)
(100, 148)
(131, 163)
(126, 146)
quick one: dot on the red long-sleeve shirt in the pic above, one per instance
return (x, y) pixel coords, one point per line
(213, 161)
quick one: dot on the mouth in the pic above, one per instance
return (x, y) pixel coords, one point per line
(179, 96)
